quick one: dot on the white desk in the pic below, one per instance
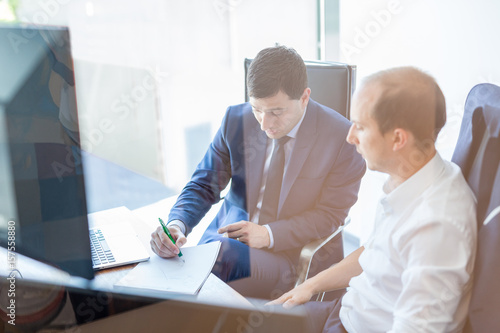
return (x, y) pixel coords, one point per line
(214, 291)
(149, 215)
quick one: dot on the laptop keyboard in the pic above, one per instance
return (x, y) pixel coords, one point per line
(101, 254)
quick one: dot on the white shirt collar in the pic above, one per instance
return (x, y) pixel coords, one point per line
(405, 193)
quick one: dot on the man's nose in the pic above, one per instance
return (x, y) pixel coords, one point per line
(351, 136)
(266, 121)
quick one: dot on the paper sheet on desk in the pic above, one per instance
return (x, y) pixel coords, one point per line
(172, 276)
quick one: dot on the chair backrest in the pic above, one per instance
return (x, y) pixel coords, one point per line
(485, 303)
(478, 154)
(332, 84)
(478, 149)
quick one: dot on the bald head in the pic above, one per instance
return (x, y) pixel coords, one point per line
(406, 98)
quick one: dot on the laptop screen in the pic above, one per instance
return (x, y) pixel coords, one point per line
(44, 213)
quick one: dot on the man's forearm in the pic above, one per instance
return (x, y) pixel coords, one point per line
(337, 276)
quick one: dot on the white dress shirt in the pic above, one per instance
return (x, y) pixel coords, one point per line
(418, 261)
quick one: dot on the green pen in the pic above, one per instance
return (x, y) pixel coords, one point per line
(169, 235)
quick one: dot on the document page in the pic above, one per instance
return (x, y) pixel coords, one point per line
(173, 276)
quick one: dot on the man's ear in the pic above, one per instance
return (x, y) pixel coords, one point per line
(400, 139)
(304, 99)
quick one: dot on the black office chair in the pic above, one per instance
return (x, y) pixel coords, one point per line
(332, 84)
(478, 154)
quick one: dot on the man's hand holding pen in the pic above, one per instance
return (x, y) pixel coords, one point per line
(163, 246)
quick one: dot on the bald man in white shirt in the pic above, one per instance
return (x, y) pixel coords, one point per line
(414, 272)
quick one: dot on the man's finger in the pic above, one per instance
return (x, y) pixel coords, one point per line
(162, 248)
(159, 249)
(178, 235)
(289, 304)
(181, 241)
(235, 234)
(279, 300)
(232, 227)
(167, 244)
(275, 302)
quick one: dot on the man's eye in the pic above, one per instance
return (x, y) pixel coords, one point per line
(278, 113)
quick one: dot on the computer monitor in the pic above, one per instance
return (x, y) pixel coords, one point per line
(43, 210)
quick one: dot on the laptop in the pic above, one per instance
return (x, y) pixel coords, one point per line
(113, 240)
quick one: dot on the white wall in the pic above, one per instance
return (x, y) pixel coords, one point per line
(195, 49)
(456, 41)
(203, 48)
(115, 56)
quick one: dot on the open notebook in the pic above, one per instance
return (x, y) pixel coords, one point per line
(172, 276)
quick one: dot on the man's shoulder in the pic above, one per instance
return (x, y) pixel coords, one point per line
(328, 115)
(328, 122)
(449, 183)
(447, 204)
(453, 177)
(239, 121)
(450, 197)
(239, 109)
(239, 114)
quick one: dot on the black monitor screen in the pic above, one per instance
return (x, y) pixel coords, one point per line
(38, 106)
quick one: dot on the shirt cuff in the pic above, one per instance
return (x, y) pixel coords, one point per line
(178, 223)
(271, 238)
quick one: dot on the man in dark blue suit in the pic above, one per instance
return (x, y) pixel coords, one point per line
(293, 180)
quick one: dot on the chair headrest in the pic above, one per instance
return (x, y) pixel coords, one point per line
(481, 95)
(483, 101)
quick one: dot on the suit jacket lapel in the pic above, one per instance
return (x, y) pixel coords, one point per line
(306, 137)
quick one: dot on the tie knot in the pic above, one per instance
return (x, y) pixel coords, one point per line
(281, 141)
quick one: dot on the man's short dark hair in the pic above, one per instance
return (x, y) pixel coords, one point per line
(415, 104)
(277, 68)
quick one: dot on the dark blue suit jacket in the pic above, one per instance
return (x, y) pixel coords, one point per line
(319, 187)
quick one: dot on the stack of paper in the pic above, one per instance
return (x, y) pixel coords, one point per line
(173, 276)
